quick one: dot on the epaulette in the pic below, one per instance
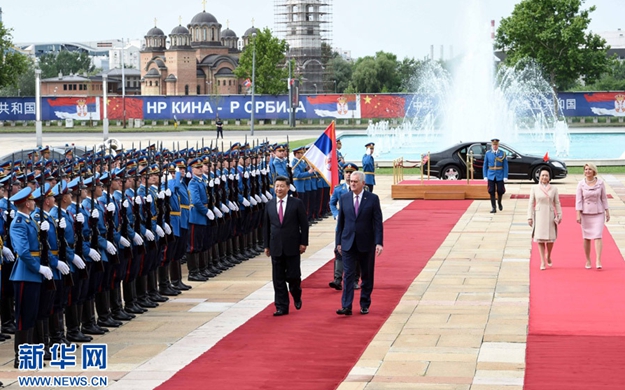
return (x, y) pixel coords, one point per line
(18, 219)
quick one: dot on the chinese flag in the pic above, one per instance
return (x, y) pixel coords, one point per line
(134, 108)
(382, 106)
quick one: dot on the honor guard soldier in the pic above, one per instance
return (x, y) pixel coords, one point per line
(495, 172)
(301, 174)
(28, 272)
(199, 215)
(368, 166)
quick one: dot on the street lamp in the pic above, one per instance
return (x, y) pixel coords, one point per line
(315, 85)
(334, 86)
(253, 80)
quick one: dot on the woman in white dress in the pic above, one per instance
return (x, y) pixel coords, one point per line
(544, 213)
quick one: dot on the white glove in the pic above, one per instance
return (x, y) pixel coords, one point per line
(78, 262)
(8, 255)
(12, 214)
(148, 198)
(149, 235)
(230, 176)
(123, 241)
(258, 199)
(505, 179)
(95, 256)
(62, 267)
(138, 199)
(257, 172)
(188, 175)
(246, 202)
(224, 208)
(268, 195)
(210, 215)
(231, 206)
(246, 175)
(45, 226)
(126, 204)
(110, 248)
(485, 179)
(236, 206)
(217, 212)
(223, 177)
(253, 201)
(237, 176)
(211, 183)
(45, 271)
(4, 215)
(253, 173)
(110, 207)
(168, 192)
(217, 181)
(166, 228)
(137, 239)
(80, 218)
(62, 223)
(159, 231)
(161, 195)
(263, 171)
(292, 188)
(95, 214)
(264, 198)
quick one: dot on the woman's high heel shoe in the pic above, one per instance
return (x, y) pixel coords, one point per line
(549, 263)
(542, 267)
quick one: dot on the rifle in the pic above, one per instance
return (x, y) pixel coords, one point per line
(124, 215)
(44, 245)
(60, 235)
(160, 206)
(170, 236)
(93, 222)
(7, 240)
(136, 211)
(109, 216)
(79, 238)
(148, 208)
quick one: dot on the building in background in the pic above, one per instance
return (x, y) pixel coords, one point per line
(306, 26)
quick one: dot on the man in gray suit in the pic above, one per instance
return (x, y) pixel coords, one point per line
(285, 229)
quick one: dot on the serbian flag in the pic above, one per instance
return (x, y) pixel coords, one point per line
(79, 108)
(322, 156)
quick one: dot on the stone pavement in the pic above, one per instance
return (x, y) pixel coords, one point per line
(462, 324)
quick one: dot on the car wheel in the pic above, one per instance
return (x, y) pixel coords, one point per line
(536, 173)
(450, 172)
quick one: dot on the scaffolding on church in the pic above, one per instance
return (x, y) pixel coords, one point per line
(306, 26)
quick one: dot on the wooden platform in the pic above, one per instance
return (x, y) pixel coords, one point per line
(438, 189)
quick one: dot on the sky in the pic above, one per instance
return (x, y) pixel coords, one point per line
(406, 28)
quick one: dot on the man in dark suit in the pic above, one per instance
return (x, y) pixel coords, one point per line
(285, 230)
(359, 236)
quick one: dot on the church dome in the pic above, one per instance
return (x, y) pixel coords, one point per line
(203, 18)
(250, 31)
(227, 33)
(155, 32)
(179, 30)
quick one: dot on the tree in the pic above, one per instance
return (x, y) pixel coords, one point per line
(65, 62)
(25, 85)
(553, 33)
(376, 74)
(13, 63)
(271, 72)
(613, 80)
(342, 71)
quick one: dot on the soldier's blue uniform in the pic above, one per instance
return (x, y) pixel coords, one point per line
(368, 167)
(495, 171)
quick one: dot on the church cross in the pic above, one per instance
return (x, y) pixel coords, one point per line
(204, 5)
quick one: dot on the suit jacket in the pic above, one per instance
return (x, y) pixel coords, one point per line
(591, 200)
(362, 232)
(286, 237)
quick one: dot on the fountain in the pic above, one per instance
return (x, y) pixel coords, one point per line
(476, 102)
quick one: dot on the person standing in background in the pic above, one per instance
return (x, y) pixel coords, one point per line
(495, 172)
(220, 127)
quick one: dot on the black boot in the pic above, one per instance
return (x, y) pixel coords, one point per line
(194, 270)
(236, 245)
(6, 312)
(207, 268)
(42, 336)
(217, 259)
(164, 286)
(21, 337)
(89, 325)
(117, 309)
(143, 298)
(105, 319)
(73, 325)
(130, 299)
(57, 330)
(153, 288)
(499, 204)
(175, 271)
(230, 252)
(492, 203)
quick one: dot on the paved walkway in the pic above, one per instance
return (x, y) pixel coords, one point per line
(461, 325)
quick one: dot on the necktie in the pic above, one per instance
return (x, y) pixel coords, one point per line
(280, 212)
(356, 205)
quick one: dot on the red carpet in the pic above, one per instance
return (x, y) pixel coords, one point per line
(577, 322)
(314, 348)
(445, 182)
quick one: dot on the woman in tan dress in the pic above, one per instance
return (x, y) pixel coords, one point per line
(544, 213)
